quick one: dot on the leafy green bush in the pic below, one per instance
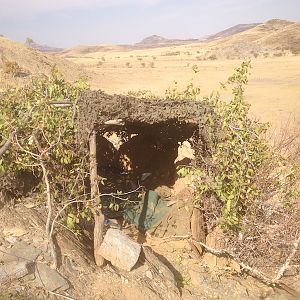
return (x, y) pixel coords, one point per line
(237, 167)
(189, 92)
(39, 121)
(240, 152)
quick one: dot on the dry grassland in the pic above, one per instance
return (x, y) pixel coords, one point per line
(273, 89)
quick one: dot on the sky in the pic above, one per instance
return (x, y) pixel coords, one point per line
(66, 23)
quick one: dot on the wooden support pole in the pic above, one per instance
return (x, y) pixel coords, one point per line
(198, 228)
(98, 216)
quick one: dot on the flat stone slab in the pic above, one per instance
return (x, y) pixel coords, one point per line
(21, 251)
(49, 279)
(120, 250)
(14, 231)
(13, 270)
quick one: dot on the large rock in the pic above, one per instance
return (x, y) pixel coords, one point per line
(50, 279)
(160, 277)
(120, 250)
(157, 266)
(21, 251)
(13, 270)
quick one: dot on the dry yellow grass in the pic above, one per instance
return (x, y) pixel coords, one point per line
(273, 89)
(274, 86)
(32, 62)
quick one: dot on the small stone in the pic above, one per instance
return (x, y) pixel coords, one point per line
(29, 277)
(20, 289)
(291, 271)
(120, 250)
(124, 280)
(49, 279)
(11, 239)
(149, 274)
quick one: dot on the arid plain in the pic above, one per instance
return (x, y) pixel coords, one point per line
(273, 89)
(274, 84)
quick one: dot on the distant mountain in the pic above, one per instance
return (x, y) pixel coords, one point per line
(153, 40)
(232, 30)
(243, 40)
(159, 41)
(44, 48)
(272, 38)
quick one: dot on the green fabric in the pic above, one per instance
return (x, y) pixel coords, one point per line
(148, 212)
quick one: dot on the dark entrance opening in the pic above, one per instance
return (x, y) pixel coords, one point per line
(139, 154)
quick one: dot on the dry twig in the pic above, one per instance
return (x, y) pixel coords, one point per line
(60, 295)
(285, 266)
(254, 272)
(49, 206)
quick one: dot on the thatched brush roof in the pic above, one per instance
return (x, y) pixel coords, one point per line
(97, 107)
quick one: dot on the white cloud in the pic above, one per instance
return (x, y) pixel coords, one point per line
(11, 9)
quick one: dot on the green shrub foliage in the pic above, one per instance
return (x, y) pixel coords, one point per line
(39, 117)
(237, 167)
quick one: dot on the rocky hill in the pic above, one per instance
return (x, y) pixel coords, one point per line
(32, 62)
(241, 39)
(45, 48)
(232, 30)
(274, 37)
(159, 41)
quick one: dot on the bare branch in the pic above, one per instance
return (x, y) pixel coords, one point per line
(60, 295)
(252, 271)
(86, 201)
(7, 144)
(49, 205)
(34, 155)
(285, 266)
(114, 122)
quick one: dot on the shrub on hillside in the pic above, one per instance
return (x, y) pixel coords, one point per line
(11, 68)
(278, 54)
(212, 57)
